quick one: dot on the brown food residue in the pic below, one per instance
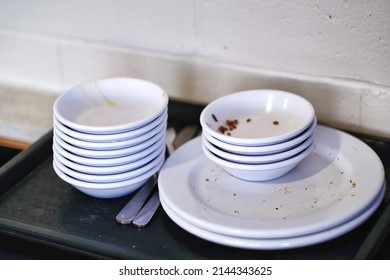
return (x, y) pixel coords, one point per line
(222, 129)
(353, 184)
(230, 125)
(275, 122)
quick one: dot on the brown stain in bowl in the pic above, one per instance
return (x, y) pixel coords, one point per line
(105, 98)
(228, 126)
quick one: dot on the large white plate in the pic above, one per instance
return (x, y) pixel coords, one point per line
(276, 243)
(334, 184)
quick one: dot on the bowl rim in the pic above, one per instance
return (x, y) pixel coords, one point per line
(259, 159)
(257, 167)
(107, 162)
(106, 170)
(109, 153)
(112, 145)
(111, 193)
(263, 140)
(263, 150)
(108, 129)
(163, 117)
(107, 185)
(101, 186)
(109, 178)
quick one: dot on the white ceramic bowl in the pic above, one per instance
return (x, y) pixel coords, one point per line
(113, 136)
(107, 190)
(107, 170)
(112, 145)
(110, 105)
(160, 137)
(259, 172)
(106, 162)
(262, 150)
(250, 159)
(110, 178)
(263, 117)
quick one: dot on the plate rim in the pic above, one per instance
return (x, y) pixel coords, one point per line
(258, 231)
(275, 243)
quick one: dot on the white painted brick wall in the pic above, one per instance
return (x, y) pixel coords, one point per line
(334, 53)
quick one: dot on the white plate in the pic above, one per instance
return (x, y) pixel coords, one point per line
(331, 186)
(277, 243)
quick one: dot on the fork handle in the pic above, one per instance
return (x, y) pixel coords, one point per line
(131, 209)
(146, 213)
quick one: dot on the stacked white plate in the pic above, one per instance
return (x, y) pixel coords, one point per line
(330, 192)
(109, 135)
(258, 135)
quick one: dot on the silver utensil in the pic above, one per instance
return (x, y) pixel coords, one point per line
(131, 209)
(147, 212)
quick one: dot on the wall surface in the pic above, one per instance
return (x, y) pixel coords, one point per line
(334, 53)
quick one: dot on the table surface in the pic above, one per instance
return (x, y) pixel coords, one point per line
(43, 217)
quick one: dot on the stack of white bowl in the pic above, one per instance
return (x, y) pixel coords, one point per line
(109, 135)
(258, 135)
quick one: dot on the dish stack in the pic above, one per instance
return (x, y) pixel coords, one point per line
(109, 135)
(271, 201)
(258, 135)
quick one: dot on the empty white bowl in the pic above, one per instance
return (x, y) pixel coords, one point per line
(257, 117)
(107, 162)
(110, 105)
(112, 136)
(109, 135)
(110, 178)
(108, 170)
(259, 172)
(107, 190)
(159, 137)
(113, 144)
(255, 159)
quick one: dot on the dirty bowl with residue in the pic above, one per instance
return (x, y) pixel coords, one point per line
(257, 117)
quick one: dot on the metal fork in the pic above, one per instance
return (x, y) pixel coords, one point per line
(131, 211)
(147, 212)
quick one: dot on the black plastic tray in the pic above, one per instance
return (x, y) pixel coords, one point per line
(36, 205)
